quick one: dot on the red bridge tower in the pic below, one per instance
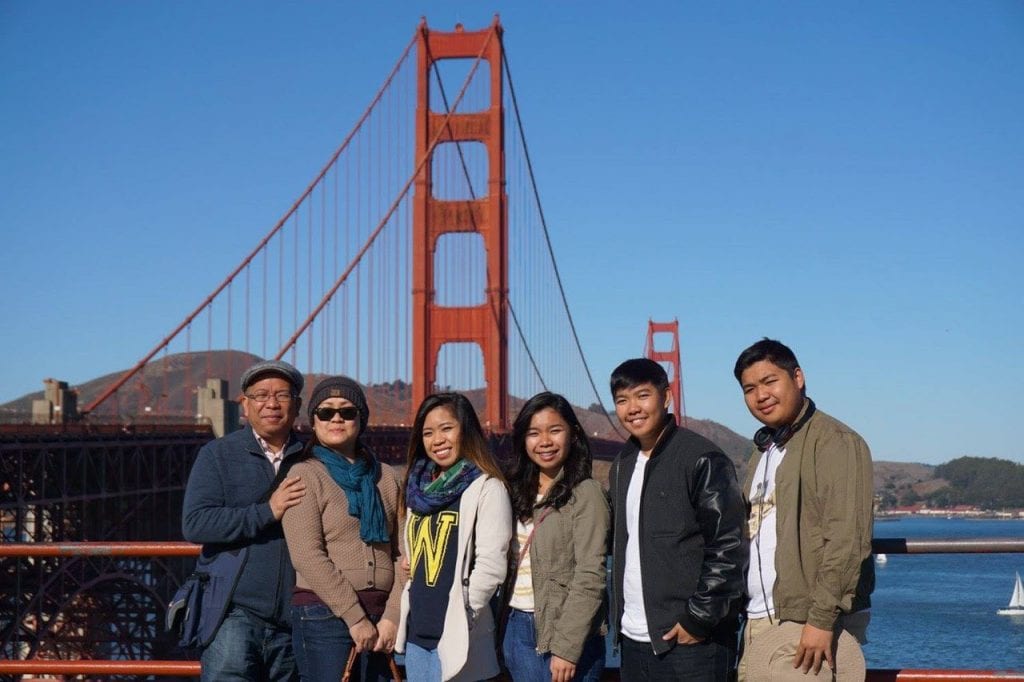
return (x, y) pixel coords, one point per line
(671, 357)
(486, 324)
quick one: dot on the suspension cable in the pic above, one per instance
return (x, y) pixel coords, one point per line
(387, 216)
(547, 239)
(113, 388)
(472, 196)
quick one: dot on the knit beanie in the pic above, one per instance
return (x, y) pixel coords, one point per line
(340, 387)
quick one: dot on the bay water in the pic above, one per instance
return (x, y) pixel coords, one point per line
(939, 610)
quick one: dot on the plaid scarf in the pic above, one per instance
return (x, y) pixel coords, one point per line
(425, 495)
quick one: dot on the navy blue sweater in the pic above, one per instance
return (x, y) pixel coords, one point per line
(223, 509)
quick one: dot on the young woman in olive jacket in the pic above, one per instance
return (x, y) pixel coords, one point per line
(557, 607)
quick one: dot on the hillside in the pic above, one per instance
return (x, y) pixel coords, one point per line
(161, 387)
(904, 483)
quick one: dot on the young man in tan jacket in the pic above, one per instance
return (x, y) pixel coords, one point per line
(809, 495)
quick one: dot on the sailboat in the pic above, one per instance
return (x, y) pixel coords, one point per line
(1016, 607)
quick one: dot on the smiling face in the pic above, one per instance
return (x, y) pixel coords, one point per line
(772, 395)
(441, 435)
(641, 409)
(271, 420)
(337, 434)
(547, 442)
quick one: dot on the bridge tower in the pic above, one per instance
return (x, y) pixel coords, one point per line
(486, 324)
(670, 357)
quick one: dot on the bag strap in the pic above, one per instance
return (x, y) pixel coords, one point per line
(353, 656)
(529, 538)
(510, 577)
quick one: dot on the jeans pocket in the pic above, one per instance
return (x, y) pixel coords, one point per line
(314, 612)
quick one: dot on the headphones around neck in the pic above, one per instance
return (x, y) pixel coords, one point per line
(766, 435)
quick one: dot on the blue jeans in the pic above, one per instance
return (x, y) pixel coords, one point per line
(322, 644)
(526, 665)
(707, 662)
(421, 665)
(249, 648)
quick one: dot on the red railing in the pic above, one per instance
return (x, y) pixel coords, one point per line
(192, 668)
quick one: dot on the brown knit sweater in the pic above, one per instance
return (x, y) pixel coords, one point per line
(330, 558)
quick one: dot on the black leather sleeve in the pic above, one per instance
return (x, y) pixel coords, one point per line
(721, 515)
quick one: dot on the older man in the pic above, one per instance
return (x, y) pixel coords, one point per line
(234, 502)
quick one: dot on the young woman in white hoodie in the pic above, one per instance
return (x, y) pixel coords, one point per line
(457, 533)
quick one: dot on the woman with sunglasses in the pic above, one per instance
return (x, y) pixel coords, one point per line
(343, 540)
(557, 607)
(458, 527)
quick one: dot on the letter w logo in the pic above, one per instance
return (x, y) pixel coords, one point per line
(432, 548)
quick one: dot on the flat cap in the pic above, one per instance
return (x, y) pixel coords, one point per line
(273, 368)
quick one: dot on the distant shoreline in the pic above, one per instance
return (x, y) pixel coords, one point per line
(1016, 515)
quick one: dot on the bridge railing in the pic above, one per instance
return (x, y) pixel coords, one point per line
(192, 668)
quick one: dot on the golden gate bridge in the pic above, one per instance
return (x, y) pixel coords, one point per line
(417, 258)
(419, 253)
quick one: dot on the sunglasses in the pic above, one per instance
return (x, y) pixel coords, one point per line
(326, 414)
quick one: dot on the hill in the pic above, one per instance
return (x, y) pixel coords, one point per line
(904, 483)
(988, 483)
(161, 385)
(161, 388)
(984, 482)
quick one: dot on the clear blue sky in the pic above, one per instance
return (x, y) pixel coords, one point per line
(847, 177)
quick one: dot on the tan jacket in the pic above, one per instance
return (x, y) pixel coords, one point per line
(329, 556)
(824, 494)
(567, 559)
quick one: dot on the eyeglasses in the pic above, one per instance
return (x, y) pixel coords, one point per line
(263, 396)
(326, 414)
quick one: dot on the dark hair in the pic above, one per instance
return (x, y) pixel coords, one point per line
(524, 478)
(472, 442)
(768, 350)
(638, 371)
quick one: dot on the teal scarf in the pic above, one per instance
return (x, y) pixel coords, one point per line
(359, 481)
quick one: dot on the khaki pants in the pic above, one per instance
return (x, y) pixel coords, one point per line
(854, 623)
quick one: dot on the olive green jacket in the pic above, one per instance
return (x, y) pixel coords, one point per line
(824, 495)
(567, 560)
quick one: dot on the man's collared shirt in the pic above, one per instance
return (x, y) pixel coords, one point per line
(275, 457)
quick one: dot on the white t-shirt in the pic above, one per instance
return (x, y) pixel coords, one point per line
(634, 616)
(763, 537)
